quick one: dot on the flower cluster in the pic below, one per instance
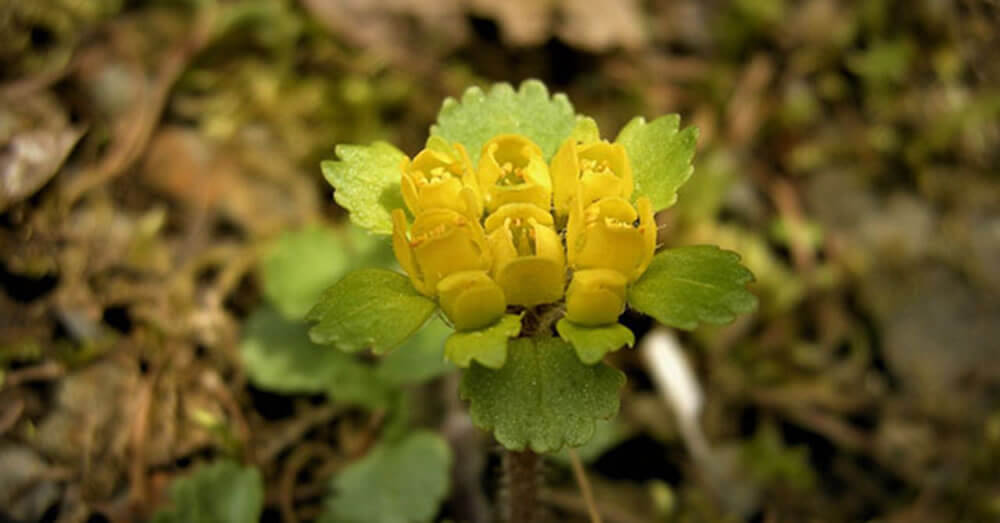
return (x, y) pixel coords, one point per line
(512, 230)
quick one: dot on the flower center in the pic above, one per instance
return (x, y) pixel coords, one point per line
(591, 167)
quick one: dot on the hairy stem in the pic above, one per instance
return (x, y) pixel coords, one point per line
(521, 472)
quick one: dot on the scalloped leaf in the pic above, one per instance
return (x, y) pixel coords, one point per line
(369, 308)
(585, 131)
(221, 492)
(488, 346)
(366, 182)
(300, 265)
(279, 356)
(401, 481)
(660, 157)
(686, 286)
(420, 359)
(529, 111)
(592, 343)
(543, 397)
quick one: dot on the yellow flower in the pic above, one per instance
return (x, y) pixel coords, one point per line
(513, 170)
(530, 264)
(604, 236)
(592, 171)
(595, 297)
(436, 179)
(471, 299)
(441, 242)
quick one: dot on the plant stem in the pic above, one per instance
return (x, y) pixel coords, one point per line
(521, 471)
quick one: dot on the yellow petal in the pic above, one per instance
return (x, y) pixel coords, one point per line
(408, 187)
(648, 229)
(530, 281)
(595, 297)
(436, 178)
(603, 237)
(471, 299)
(516, 210)
(613, 178)
(565, 171)
(404, 253)
(547, 243)
(512, 169)
(445, 242)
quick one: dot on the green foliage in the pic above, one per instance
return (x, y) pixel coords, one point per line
(607, 435)
(399, 481)
(279, 356)
(366, 179)
(686, 286)
(592, 343)
(543, 397)
(369, 308)
(488, 346)
(771, 462)
(529, 111)
(660, 156)
(223, 492)
(586, 130)
(300, 265)
(419, 359)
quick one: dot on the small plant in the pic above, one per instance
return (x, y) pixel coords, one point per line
(531, 235)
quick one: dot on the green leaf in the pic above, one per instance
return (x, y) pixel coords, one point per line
(660, 157)
(607, 435)
(529, 111)
(223, 492)
(366, 183)
(686, 286)
(488, 346)
(370, 250)
(585, 131)
(397, 482)
(300, 266)
(543, 397)
(420, 359)
(279, 356)
(369, 308)
(592, 343)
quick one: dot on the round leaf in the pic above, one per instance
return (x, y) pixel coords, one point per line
(660, 157)
(686, 286)
(366, 183)
(529, 111)
(543, 397)
(369, 308)
(400, 481)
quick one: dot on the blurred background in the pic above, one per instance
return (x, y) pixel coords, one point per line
(164, 227)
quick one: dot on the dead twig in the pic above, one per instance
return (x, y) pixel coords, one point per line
(581, 479)
(293, 432)
(47, 371)
(145, 113)
(570, 502)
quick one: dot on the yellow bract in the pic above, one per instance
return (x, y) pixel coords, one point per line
(516, 255)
